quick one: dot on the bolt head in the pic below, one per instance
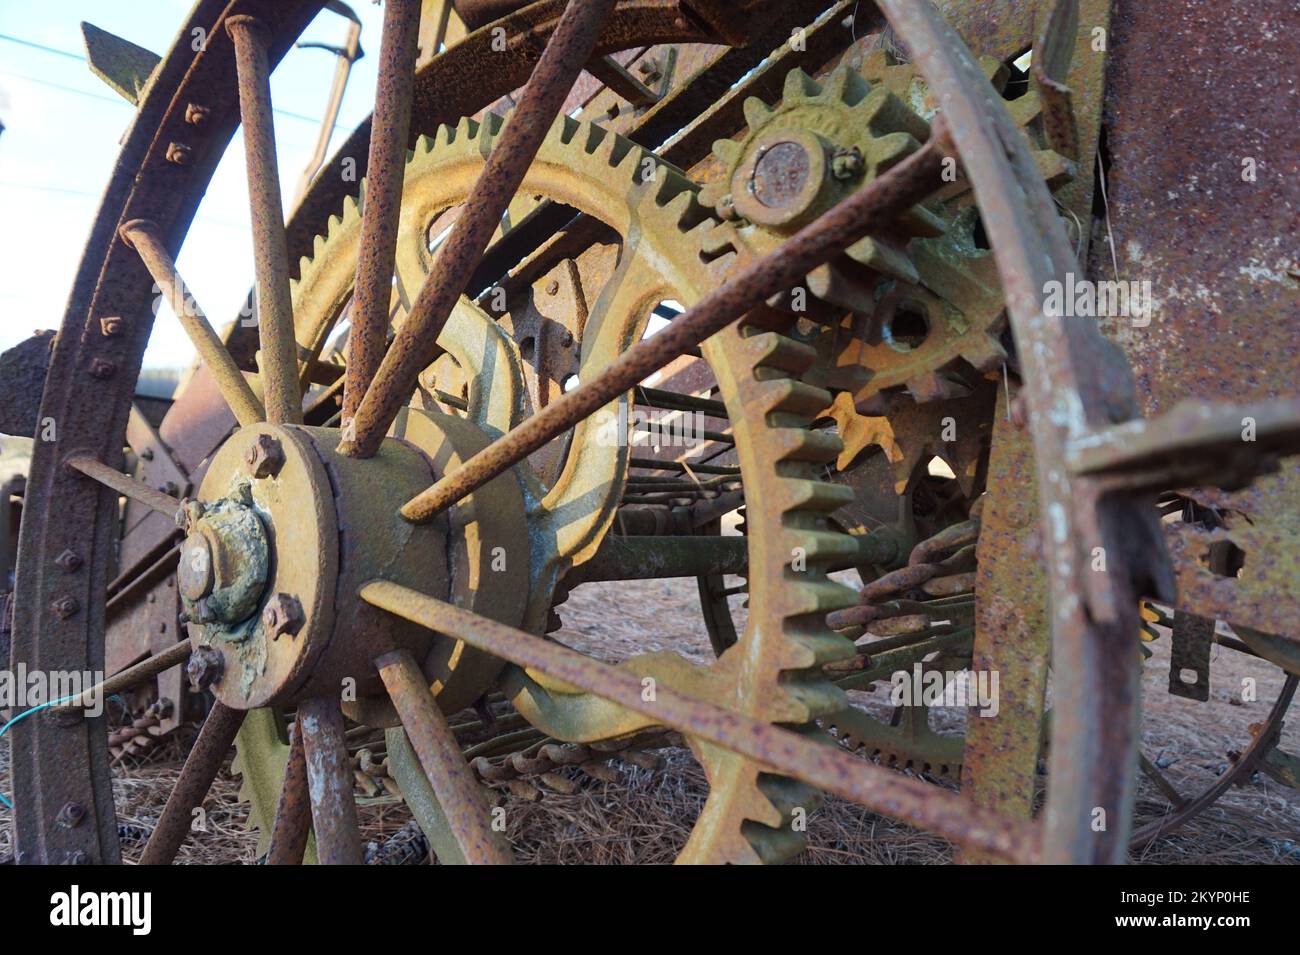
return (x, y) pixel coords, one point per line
(204, 668)
(70, 815)
(111, 325)
(102, 368)
(282, 615)
(552, 287)
(727, 208)
(264, 457)
(847, 164)
(196, 115)
(68, 561)
(65, 607)
(179, 153)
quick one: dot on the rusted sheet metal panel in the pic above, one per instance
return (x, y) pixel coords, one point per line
(1012, 634)
(1204, 203)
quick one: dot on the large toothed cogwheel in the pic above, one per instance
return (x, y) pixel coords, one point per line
(671, 247)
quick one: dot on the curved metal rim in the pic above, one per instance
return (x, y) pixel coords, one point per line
(89, 410)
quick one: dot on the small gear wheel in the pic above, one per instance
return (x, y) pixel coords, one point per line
(797, 159)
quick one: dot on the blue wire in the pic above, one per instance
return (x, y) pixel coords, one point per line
(36, 709)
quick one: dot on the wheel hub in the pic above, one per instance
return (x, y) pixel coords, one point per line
(283, 534)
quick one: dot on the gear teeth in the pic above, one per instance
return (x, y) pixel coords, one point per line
(922, 223)
(884, 258)
(795, 443)
(728, 150)
(995, 71)
(985, 353)
(563, 131)
(846, 85)
(799, 398)
(829, 283)
(1055, 169)
(444, 135)
(807, 494)
(771, 350)
(756, 112)
(1026, 109)
(798, 86)
(886, 114)
(772, 845)
(823, 549)
(467, 129)
(936, 386)
(889, 150)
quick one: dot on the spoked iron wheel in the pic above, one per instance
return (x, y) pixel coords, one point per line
(323, 558)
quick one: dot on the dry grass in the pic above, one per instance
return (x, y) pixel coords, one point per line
(646, 816)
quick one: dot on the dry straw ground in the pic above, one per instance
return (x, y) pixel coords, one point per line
(645, 816)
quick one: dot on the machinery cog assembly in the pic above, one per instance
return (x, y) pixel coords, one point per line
(626, 293)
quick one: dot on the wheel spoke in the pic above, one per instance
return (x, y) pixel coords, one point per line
(870, 208)
(125, 679)
(135, 490)
(144, 236)
(569, 48)
(201, 766)
(329, 776)
(382, 201)
(293, 814)
(270, 250)
(458, 792)
(829, 768)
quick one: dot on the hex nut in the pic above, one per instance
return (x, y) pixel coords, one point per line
(282, 615)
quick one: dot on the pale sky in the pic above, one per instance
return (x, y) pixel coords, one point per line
(62, 129)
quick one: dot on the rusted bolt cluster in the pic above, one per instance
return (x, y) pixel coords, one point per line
(204, 668)
(264, 457)
(282, 615)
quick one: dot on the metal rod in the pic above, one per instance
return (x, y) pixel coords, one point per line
(293, 813)
(614, 75)
(671, 401)
(345, 56)
(329, 779)
(145, 237)
(382, 202)
(652, 464)
(645, 558)
(459, 793)
(874, 206)
(201, 766)
(124, 679)
(834, 770)
(569, 48)
(270, 250)
(135, 490)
